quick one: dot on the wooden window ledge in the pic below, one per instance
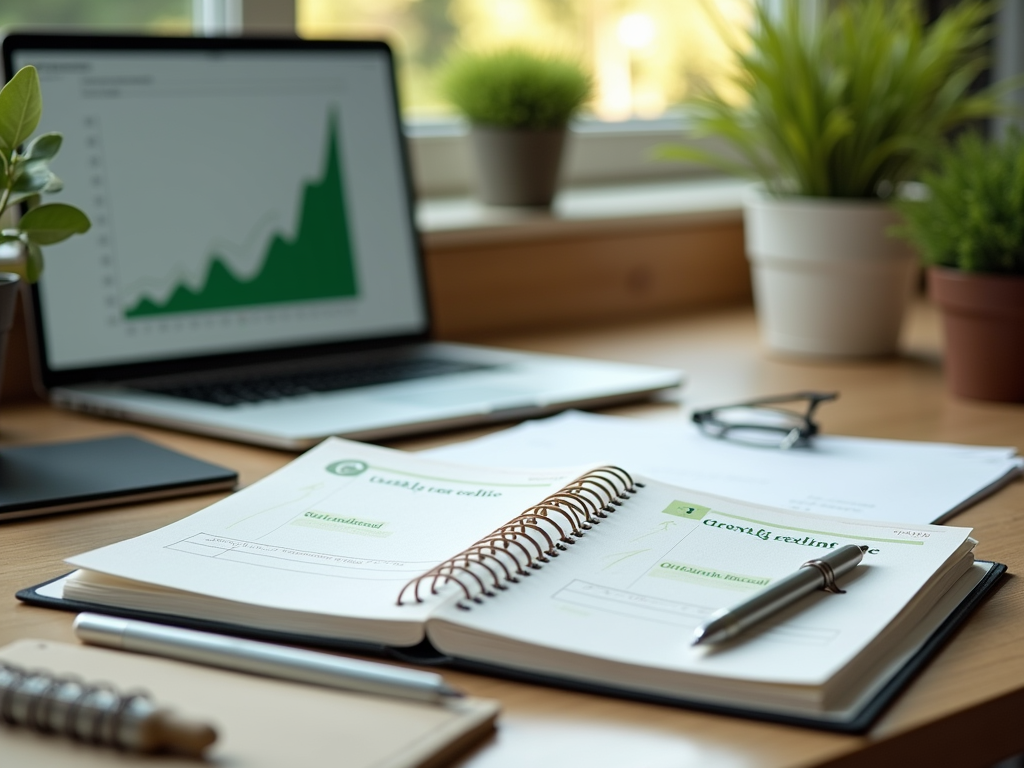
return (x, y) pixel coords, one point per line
(600, 255)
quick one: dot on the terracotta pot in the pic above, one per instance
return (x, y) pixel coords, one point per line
(828, 278)
(517, 166)
(983, 321)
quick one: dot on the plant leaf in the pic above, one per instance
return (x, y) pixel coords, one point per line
(684, 153)
(21, 105)
(31, 199)
(33, 262)
(44, 146)
(31, 176)
(19, 197)
(52, 223)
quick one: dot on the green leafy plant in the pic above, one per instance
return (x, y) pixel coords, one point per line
(515, 88)
(25, 175)
(851, 107)
(972, 216)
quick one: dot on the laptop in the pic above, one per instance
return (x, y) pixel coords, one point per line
(253, 271)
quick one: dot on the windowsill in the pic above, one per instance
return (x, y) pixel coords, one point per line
(446, 222)
(599, 255)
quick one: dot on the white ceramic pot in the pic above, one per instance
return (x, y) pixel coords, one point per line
(828, 279)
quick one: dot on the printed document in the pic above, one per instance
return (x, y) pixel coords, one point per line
(862, 478)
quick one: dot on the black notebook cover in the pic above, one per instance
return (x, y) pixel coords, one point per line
(426, 654)
(62, 477)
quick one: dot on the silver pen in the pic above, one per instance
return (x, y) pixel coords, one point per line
(810, 577)
(261, 658)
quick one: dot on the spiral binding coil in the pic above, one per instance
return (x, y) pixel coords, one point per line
(96, 714)
(532, 538)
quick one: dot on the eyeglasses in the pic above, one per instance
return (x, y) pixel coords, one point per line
(783, 421)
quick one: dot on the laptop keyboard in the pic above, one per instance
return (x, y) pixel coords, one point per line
(257, 388)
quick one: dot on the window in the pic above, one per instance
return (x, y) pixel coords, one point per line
(646, 56)
(168, 17)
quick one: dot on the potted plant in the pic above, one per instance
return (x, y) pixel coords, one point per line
(24, 176)
(518, 104)
(969, 227)
(833, 119)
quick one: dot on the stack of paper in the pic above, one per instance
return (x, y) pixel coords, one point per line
(863, 478)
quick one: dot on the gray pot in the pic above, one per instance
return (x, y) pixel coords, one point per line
(8, 301)
(517, 166)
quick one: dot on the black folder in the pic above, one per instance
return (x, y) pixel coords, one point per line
(426, 654)
(85, 474)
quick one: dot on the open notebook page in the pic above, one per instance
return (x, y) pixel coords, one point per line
(625, 602)
(337, 532)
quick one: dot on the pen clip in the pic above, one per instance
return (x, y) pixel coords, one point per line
(828, 574)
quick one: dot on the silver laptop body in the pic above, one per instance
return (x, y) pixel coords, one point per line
(253, 270)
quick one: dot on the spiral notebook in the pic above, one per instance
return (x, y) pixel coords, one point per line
(260, 723)
(585, 577)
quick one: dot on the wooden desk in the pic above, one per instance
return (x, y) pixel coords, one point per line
(964, 710)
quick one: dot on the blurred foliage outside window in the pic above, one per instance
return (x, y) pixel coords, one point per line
(646, 55)
(156, 17)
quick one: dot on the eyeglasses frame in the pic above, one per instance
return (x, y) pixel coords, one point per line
(801, 435)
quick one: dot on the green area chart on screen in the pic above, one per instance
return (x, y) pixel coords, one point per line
(316, 264)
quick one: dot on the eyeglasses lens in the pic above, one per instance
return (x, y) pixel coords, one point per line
(757, 426)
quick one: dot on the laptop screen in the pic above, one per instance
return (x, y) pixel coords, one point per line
(242, 199)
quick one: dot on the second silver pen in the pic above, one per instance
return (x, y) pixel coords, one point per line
(260, 658)
(810, 577)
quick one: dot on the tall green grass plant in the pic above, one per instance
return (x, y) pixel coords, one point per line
(852, 107)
